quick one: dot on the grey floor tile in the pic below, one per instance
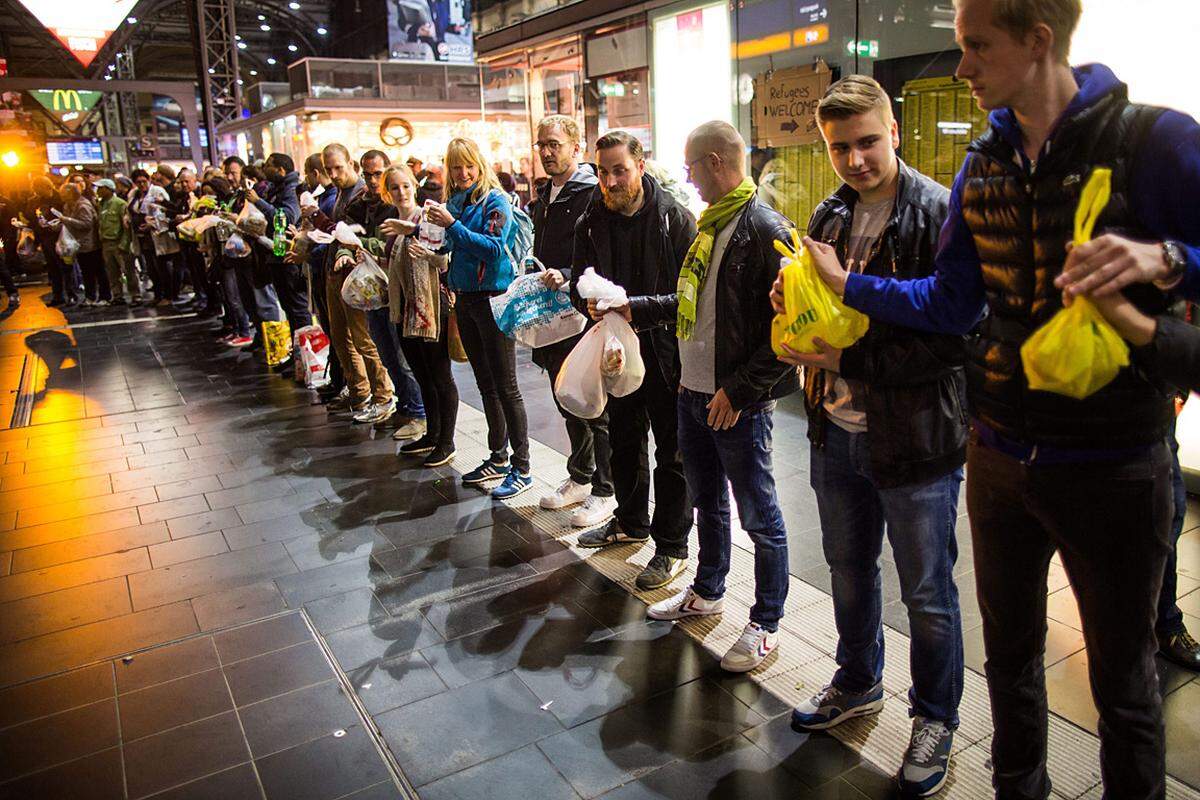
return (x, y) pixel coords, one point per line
(381, 640)
(165, 663)
(1181, 713)
(327, 768)
(205, 575)
(66, 608)
(275, 673)
(346, 610)
(314, 584)
(385, 684)
(65, 736)
(51, 695)
(166, 705)
(184, 754)
(519, 775)
(814, 758)
(449, 732)
(261, 637)
(238, 783)
(206, 544)
(234, 606)
(317, 549)
(95, 777)
(296, 717)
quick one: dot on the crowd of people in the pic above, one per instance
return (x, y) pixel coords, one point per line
(954, 282)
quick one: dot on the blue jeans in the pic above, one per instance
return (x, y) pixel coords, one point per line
(1170, 618)
(920, 525)
(383, 333)
(740, 455)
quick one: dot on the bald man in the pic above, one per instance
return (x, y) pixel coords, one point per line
(728, 387)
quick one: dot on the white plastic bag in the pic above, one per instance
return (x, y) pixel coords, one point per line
(366, 287)
(607, 360)
(251, 221)
(312, 363)
(534, 315)
(236, 247)
(606, 293)
(67, 246)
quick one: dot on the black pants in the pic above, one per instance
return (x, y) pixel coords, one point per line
(430, 364)
(192, 271)
(652, 408)
(59, 273)
(95, 281)
(12, 263)
(337, 379)
(292, 289)
(1170, 618)
(493, 359)
(590, 452)
(1110, 524)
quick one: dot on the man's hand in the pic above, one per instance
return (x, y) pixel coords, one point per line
(826, 357)
(397, 227)
(438, 215)
(1108, 264)
(777, 294)
(597, 314)
(553, 280)
(252, 196)
(825, 259)
(721, 414)
(1134, 326)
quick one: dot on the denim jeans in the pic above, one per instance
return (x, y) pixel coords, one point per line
(408, 392)
(741, 456)
(1110, 523)
(919, 520)
(1170, 618)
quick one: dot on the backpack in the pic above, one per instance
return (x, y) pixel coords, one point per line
(520, 243)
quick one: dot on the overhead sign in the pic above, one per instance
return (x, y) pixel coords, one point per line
(785, 105)
(68, 106)
(83, 26)
(420, 30)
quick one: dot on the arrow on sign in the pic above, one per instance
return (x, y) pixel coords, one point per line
(791, 126)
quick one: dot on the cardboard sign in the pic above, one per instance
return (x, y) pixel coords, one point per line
(785, 105)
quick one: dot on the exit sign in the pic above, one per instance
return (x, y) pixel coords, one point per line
(863, 48)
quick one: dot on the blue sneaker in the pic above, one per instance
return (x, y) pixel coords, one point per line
(831, 706)
(514, 484)
(927, 760)
(487, 471)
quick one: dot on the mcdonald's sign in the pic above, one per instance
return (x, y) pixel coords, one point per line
(62, 101)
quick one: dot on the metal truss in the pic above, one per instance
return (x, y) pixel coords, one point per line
(216, 29)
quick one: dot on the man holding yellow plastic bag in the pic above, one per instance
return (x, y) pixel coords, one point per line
(1087, 477)
(888, 431)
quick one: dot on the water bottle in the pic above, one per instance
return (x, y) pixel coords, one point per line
(431, 236)
(279, 246)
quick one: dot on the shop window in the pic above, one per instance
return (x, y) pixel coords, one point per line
(623, 101)
(344, 79)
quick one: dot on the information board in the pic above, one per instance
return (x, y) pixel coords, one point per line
(74, 151)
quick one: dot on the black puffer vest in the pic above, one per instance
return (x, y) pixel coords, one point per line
(1022, 224)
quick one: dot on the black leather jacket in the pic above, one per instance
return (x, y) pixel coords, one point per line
(746, 367)
(667, 230)
(914, 381)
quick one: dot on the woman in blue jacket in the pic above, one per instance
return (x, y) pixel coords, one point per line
(479, 227)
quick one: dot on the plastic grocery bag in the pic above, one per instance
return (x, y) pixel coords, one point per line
(366, 287)
(236, 247)
(534, 315)
(1077, 352)
(606, 361)
(606, 293)
(251, 221)
(813, 311)
(312, 356)
(277, 341)
(67, 246)
(192, 230)
(26, 243)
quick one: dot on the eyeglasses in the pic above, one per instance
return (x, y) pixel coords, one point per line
(687, 166)
(551, 145)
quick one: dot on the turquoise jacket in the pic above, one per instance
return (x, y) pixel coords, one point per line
(478, 243)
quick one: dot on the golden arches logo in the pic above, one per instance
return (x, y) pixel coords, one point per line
(66, 100)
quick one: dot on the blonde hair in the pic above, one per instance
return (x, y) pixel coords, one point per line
(854, 95)
(568, 125)
(465, 151)
(1020, 17)
(405, 173)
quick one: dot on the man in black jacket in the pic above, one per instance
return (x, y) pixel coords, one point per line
(558, 205)
(729, 381)
(888, 430)
(637, 235)
(289, 280)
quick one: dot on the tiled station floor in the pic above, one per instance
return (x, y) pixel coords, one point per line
(209, 590)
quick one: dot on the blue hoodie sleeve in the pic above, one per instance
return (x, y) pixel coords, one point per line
(487, 243)
(951, 300)
(1166, 171)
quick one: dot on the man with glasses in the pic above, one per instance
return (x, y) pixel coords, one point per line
(558, 205)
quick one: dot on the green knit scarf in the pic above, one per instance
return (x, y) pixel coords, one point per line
(695, 265)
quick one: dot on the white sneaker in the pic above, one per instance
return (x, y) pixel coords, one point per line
(568, 493)
(683, 605)
(376, 412)
(751, 648)
(593, 511)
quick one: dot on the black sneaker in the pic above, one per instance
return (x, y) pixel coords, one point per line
(419, 447)
(487, 471)
(14, 300)
(1181, 649)
(439, 456)
(659, 572)
(612, 533)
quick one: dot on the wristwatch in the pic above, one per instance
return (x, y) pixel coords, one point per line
(1176, 261)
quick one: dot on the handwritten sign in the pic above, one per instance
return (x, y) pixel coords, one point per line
(785, 105)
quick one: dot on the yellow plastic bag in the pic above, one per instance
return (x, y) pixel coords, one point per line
(1077, 352)
(277, 341)
(812, 309)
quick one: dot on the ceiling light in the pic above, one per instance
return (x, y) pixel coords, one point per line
(271, 61)
(321, 30)
(112, 67)
(131, 20)
(264, 27)
(239, 81)
(212, 71)
(293, 48)
(241, 45)
(253, 72)
(294, 6)
(261, 18)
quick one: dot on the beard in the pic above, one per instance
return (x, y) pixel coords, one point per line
(621, 198)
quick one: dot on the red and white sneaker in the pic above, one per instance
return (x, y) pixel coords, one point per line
(685, 604)
(240, 341)
(751, 649)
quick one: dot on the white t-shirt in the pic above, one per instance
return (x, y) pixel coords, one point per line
(698, 355)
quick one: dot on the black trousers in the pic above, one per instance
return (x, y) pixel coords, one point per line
(95, 280)
(12, 263)
(652, 408)
(292, 289)
(337, 379)
(58, 272)
(430, 365)
(589, 462)
(493, 359)
(1110, 524)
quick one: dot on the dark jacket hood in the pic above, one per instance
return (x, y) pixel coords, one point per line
(582, 180)
(1095, 81)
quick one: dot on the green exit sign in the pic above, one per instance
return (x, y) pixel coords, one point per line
(863, 48)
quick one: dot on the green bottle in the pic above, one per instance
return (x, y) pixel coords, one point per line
(280, 244)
